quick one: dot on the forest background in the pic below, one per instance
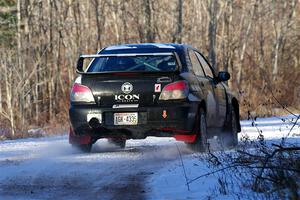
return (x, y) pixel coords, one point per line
(257, 41)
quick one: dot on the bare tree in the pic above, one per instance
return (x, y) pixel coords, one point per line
(281, 26)
(150, 36)
(177, 37)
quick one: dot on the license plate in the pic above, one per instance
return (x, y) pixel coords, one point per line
(125, 118)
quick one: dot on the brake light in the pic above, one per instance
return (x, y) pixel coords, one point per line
(81, 93)
(176, 90)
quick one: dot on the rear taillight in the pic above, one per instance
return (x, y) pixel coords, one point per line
(176, 90)
(81, 93)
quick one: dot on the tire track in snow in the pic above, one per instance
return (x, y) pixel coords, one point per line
(48, 168)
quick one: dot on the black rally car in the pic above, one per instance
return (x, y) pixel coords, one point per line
(138, 90)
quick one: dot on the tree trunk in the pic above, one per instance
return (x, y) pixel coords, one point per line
(124, 22)
(148, 21)
(20, 64)
(98, 24)
(212, 32)
(9, 98)
(177, 37)
(245, 43)
(115, 19)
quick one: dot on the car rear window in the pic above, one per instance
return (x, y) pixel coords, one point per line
(148, 63)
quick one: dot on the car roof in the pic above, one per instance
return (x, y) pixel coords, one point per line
(143, 48)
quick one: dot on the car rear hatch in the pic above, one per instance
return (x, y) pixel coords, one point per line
(127, 89)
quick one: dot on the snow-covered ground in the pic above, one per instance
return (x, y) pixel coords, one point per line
(170, 182)
(48, 168)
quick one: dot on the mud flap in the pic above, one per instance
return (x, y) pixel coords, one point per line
(74, 139)
(186, 138)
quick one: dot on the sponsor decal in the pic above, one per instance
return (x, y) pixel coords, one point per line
(164, 114)
(127, 87)
(157, 87)
(127, 98)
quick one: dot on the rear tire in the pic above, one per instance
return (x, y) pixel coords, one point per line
(230, 135)
(234, 128)
(118, 142)
(201, 143)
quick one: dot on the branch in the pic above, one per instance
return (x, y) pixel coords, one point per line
(184, 171)
(4, 10)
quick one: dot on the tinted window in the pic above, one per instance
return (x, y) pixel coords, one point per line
(133, 63)
(196, 64)
(205, 65)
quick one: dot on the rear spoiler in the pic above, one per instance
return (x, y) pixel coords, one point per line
(80, 70)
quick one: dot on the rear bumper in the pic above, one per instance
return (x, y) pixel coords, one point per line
(179, 120)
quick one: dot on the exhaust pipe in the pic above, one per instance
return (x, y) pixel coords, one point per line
(94, 123)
